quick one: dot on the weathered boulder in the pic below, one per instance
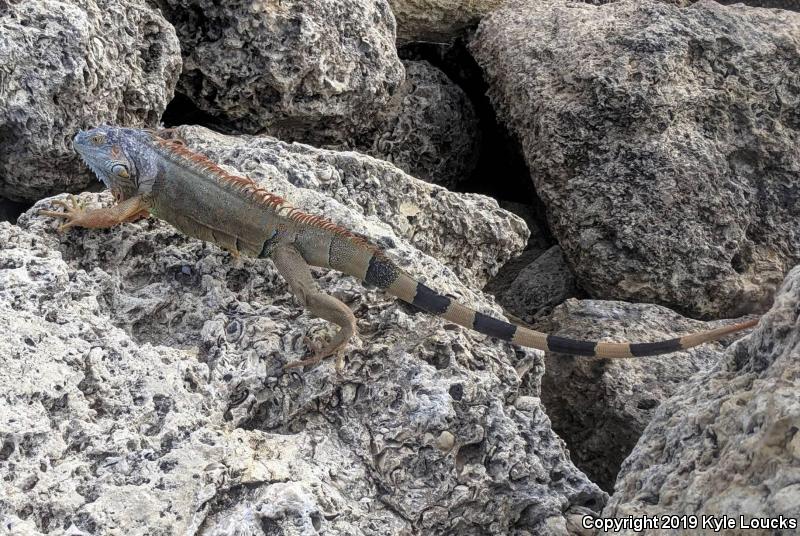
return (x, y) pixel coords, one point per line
(430, 131)
(601, 407)
(540, 286)
(145, 368)
(312, 71)
(102, 432)
(664, 141)
(538, 243)
(468, 233)
(727, 443)
(66, 65)
(438, 20)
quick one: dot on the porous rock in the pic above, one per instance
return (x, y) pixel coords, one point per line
(430, 131)
(313, 71)
(727, 443)
(600, 407)
(66, 65)
(104, 433)
(467, 232)
(664, 141)
(438, 21)
(540, 286)
(154, 393)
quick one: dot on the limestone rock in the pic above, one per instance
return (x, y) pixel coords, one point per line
(145, 378)
(727, 443)
(104, 433)
(66, 65)
(431, 132)
(601, 407)
(438, 20)
(467, 232)
(664, 141)
(540, 286)
(306, 70)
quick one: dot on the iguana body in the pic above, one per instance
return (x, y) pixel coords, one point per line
(150, 174)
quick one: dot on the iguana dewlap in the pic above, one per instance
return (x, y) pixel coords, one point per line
(151, 175)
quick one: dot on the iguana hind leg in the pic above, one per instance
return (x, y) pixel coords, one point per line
(295, 271)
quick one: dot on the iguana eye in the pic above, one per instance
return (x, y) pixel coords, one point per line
(120, 171)
(97, 139)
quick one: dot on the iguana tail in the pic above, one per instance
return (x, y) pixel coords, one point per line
(330, 246)
(383, 273)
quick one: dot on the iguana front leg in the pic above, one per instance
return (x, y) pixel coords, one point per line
(295, 271)
(99, 218)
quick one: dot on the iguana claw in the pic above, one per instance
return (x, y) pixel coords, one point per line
(319, 353)
(73, 212)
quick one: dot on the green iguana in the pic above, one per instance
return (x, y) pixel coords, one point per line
(149, 174)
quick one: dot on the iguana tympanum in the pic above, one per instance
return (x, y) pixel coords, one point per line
(150, 174)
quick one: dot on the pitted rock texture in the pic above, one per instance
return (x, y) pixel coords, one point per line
(727, 443)
(438, 21)
(101, 433)
(314, 71)
(154, 372)
(67, 65)
(601, 407)
(467, 232)
(664, 141)
(431, 132)
(540, 286)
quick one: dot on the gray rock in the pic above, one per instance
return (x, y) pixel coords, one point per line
(661, 140)
(313, 71)
(500, 283)
(538, 243)
(438, 20)
(431, 132)
(467, 232)
(727, 443)
(601, 407)
(152, 391)
(103, 433)
(66, 65)
(540, 286)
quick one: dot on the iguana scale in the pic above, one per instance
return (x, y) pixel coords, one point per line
(150, 174)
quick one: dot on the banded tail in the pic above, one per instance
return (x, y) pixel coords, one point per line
(372, 266)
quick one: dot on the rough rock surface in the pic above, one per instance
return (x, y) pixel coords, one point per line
(540, 286)
(438, 20)
(727, 443)
(467, 232)
(141, 372)
(601, 407)
(538, 243)
(431, 132)
(66, 65)
(664, 141)
(315, 71)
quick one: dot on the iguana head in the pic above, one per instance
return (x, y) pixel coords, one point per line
(104, 151)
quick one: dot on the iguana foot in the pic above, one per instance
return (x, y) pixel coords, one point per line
(335, 347)
(74, 211)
